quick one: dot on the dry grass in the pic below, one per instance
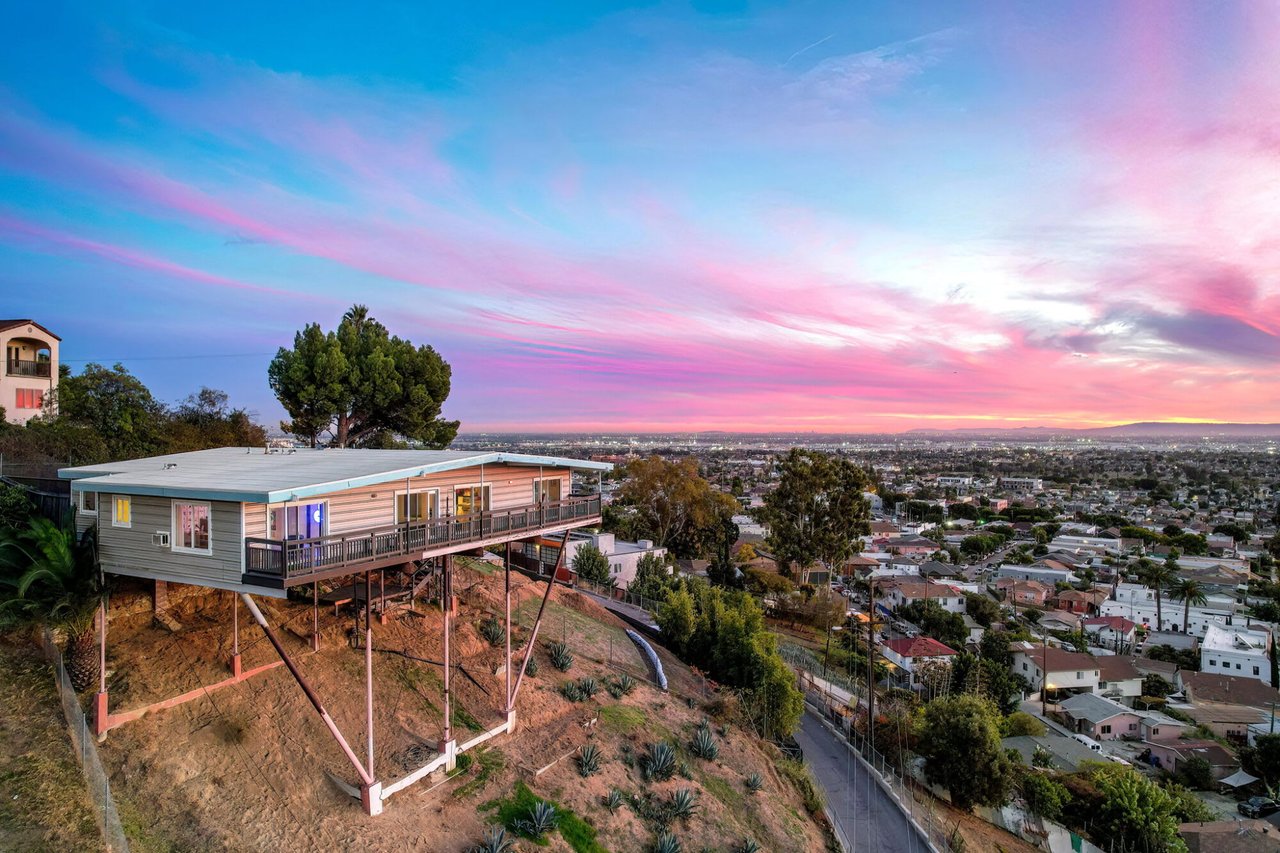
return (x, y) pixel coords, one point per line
(44, 804)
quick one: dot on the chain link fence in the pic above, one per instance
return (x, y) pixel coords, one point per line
(625, 596)
(86, 750)
(838, 699)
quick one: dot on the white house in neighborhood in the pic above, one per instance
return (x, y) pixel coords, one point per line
(1137, 603)
(1054, 668)
(911, 654)
(624, 557)
(1237, 651)
(901, 593)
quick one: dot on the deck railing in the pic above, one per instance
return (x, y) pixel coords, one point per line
(294, 558)
(29, 367)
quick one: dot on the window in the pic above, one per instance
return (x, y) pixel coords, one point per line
(547, 488)
(89, 502)
(1079, 675)
(1255, 670)
(1106, 730)
(1133, 727)
(469, 499)
(1024, 666)
(417, 506)
(30, 398)
(122, 512)
(1213, 663)
(191, 527)
(1237, 666)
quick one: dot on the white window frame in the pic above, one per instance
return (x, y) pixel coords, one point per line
(115, 521)
(173, 529)
(287, 505)
(84, 510)
(477, 485)
(395, 509)
(540, 492)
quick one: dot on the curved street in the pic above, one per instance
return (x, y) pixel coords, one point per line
(868, 817)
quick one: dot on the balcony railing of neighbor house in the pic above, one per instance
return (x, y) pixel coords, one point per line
(293, 559)
(28, 367)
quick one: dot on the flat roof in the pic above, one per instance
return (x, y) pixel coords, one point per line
(252, 475)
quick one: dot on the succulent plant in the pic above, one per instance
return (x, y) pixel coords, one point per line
(684, 803)
(491, 629)
(588, 687)
(542, 819)
(531, 668)
(682, 769)
(667, 843)
(561, 659)
(747, 846)
(625, 683)
(571, 691)
(660, 763)
(589, 760)
(755, 783)
(495, 841)
(704, 744)
(613, 800)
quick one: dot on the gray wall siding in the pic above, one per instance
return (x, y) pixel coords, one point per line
(374, 506)
(130, 548)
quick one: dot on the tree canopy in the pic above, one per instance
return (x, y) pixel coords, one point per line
(362, 384)
(817, 511)
(960, 742)
(671, 503)
(591, 564)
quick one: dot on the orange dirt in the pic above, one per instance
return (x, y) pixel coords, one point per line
(244, 768)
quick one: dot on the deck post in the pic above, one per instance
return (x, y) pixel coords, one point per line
(371, 790)
(382, 597)
(447, 744)
(537, 622)
(511, 714)
(235, 635)
(368, 665)
(315, 616)
(100, 701)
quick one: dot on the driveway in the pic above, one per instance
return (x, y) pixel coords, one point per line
(869, 818)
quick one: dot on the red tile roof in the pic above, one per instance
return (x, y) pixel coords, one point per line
(918, 647)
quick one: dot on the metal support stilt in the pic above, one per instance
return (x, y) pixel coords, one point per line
(101, 702)
(368, 665)
(235, 635)
(315, 616)
(507, 595)
(371, 791)
(537, 623)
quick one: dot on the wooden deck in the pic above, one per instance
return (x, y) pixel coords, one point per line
(283, 563)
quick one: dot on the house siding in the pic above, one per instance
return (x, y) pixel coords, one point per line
(369, 507)
(128, 550)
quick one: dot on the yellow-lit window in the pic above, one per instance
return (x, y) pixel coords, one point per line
(417, 506)
(122, 512)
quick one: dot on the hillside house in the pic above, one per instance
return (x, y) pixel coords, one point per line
(30, 368)
(262, 523)
(910, 654)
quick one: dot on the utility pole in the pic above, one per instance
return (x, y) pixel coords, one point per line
(1044, 680)
(871, 666)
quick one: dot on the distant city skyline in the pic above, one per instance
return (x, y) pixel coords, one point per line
(823, 217)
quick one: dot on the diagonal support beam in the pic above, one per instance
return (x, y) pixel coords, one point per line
(306, 688)
(537, 623)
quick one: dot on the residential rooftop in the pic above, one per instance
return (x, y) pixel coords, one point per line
(254, 475)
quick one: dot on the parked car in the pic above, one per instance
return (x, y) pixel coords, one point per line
(1257, 807)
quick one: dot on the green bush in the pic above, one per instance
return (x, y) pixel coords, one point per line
(1044, 797)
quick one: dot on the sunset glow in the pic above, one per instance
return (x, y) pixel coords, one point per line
(742, 217)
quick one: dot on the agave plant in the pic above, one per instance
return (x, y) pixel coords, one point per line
(495, 841)
(626, 684)
(747, 846)
(628, 757)
(50, 575)
(589, 760)
(660, 763)
(571, 691)
(531, 668)
(667, 843)
(704, 745)
(491, 629)
(684, 803)
(755, 783)
(561, 659)
(542, 819)
(613, 800)
(612, 688)
(588, 687)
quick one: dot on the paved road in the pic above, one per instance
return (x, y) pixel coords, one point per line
(869, 817)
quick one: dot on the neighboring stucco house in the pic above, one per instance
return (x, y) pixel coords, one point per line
(30, 368)
(624, 557)
(910, 654)
(1119, 678)
(1057, 669)
(1238, 651)
(1098, 717)
(256, 521)
(901, 593)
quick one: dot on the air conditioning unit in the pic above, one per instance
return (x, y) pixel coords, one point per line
(160, 539)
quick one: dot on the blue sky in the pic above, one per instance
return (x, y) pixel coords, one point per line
(733, 216)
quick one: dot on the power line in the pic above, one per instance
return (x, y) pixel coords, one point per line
(167, 357)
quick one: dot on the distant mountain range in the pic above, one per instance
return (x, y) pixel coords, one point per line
(1146, 429)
